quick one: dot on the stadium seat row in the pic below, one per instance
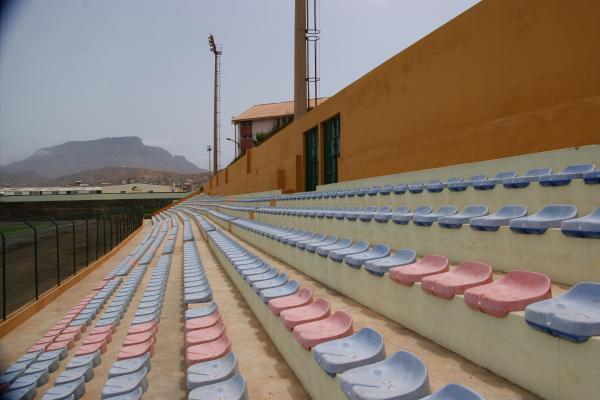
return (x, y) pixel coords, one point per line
(212, 367)
(509, 179)
(513, 292)
(359, 358)
(476, 216)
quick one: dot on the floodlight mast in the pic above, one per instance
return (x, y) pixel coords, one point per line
(217, 98)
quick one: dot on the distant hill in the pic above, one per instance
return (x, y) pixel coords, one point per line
(116, 175)
(112, 175)
(74, 157)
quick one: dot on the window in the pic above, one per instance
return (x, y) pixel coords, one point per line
(331, 148)
(311, 152)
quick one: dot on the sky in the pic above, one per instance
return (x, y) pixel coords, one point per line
(86, 69)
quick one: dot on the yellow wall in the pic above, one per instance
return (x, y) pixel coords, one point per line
(504, 78)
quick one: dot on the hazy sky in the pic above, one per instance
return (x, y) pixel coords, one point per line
(85, 69)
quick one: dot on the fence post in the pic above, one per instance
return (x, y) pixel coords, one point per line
(87, 241)
(35, 259)
(110, 223)
(3, 276)
(97, 234)
(57, 254)
(73, 246)
(104, 232)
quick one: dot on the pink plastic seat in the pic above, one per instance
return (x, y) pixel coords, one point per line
(407, 275)
(70, 336)
(298, 299)
(466, 275)
(37, 347)
(336, 326)
(46, 340)
(61, 344)
(202, 322)
(91, 348)
(206, 335)
(136, 350)
(147, 326)
(208, 351)
(513, 292)
(77, 329)
(100, 337)
(137, 338)
(318, 310)
(112, 328)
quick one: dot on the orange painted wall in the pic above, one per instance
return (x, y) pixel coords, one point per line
(504, 78)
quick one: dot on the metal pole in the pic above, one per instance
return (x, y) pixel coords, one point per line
(57, 253)
(3, 276)
(300, 75)
(97, 234)
(35, 259)
(215, 129)
(73, 245)
(87, 242)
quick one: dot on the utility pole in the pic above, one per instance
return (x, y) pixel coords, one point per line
(217, 98)
(208, 148)
(300, 51)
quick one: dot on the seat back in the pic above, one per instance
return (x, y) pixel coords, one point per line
(538, 172)
(360, 245)
(577, 168)
(475, 211)
(401, 210)
(445, 210)
(422, 210)
(558, 211)
(505, 175)
(527, 281)
(434, 261)
(387, 209)
(474, 269)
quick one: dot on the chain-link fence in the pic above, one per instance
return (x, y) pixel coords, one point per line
(39, 255)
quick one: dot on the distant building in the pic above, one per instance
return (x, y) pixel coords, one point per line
(262, 118)
(137, 188)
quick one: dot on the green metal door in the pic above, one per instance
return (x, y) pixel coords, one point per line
(331, 149)
(311, 151)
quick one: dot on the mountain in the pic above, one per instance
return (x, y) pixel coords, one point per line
(116, 175)
(74, 157)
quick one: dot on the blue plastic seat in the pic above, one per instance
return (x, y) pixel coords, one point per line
(324, 251)
(341, 213)
(500, 218)
(385, 190)
(378, 251)
(587, 226)
(567, 174)
(255, 271)
(289, 288)
(592, 177)
(429, 219)
(198, 297)
(454, 391)
(453, 184)
(231, 389)
(364, 347)
(488, 184)
(339, 254)
(383, 214)
(353, 213)
(367, 214)
(373, 190)
(402, 216)
(399, 188)
(457, 220)
(66, 391)
(311, 246)
(87, 359)
(574, 316)
(130, 365)
(269, 274)
(416, 187)
(301, 244)
(548, 217)
(124, 384)
(279, 280)
(22, 393)
(380, 266)
(362, 191)
(402, 376)
(462, 186)
(210, 372)
(524, 180)
(435, 186)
